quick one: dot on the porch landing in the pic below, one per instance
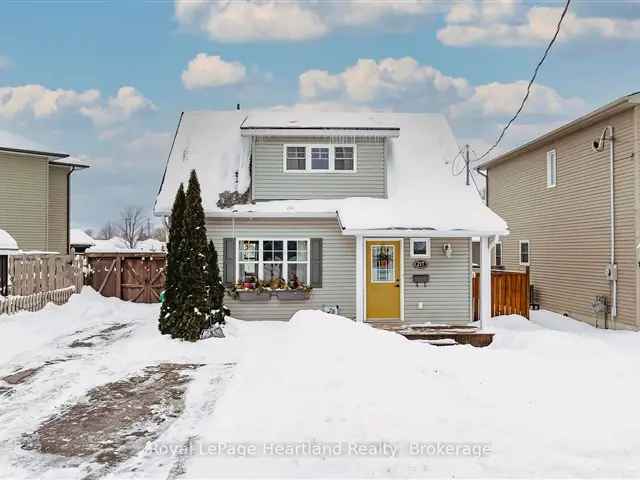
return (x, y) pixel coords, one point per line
(440, 335)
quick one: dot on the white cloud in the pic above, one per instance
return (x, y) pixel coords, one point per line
(41, 101)
(151, 141)
(469, 25)
(503, 99)
(122, 106)
(486, 10)
(376, 81)
(212, 71)
(243, 21)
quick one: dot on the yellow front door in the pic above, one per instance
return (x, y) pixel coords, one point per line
(383, 279)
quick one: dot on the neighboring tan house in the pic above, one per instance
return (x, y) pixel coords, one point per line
(34, 198)
(555, 193)
(361, 207)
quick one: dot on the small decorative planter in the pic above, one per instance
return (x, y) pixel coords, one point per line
(253, 296)
(292, 295)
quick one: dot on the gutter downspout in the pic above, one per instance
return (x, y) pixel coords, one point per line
(73, 169)
(614, 282)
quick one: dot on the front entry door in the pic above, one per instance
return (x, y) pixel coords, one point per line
(383, 279)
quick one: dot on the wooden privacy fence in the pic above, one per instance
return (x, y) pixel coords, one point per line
(135, 277)
(509, 293)
(32, 281)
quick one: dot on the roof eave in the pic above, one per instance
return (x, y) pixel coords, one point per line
(612, 108)
(318, 131)
(39, 153)
(428, 233)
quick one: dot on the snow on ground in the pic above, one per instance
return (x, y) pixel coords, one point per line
(7, 242)
(548, 398)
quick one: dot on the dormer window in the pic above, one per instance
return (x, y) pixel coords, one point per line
(320, 158)
(344, 158)
(296, 158)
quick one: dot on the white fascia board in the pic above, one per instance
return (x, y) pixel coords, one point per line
(318, 132)
(422, 233)
(232, 214)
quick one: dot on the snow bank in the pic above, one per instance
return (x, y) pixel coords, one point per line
(79, 237)
(210, 143)
(7, 242)
(536, 393)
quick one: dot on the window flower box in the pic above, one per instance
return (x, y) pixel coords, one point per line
(298, 294)
(253, 296)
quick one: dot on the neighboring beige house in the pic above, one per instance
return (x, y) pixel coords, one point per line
(34, 198)
(555, 193)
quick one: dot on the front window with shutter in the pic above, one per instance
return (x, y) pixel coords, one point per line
(273, 259)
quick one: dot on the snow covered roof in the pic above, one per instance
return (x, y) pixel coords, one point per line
(424, 196)
(7, 242)
(319, 123)
(117, 244)
(210, 143)
(78, 237)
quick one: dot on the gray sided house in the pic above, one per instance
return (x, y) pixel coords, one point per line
(571, 200)
(34, 198)
(359, 208)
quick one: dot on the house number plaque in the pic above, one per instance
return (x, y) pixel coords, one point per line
(420, 264)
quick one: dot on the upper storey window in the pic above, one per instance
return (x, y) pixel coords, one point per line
(296, 158)
(320, 158)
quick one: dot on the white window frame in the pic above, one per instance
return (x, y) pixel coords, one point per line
(332, 157)
(395, 259)
(285, 262)
(414, 255)
(499, 244)
(528, 244)
(306, 157)
(552, 168)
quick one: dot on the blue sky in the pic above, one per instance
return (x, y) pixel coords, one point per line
(106, 82)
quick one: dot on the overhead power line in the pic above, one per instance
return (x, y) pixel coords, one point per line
(533, 78)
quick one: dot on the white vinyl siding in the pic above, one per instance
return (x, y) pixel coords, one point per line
(338, 264)
(273, 181)
(552, 168)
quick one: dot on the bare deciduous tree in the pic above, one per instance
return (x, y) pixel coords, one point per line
(131, 225)
(107, 231)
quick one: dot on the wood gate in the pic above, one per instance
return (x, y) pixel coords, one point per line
(135, 277)
(509, 293)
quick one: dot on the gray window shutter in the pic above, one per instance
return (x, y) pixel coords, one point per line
(316, 263)
(229, 261)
